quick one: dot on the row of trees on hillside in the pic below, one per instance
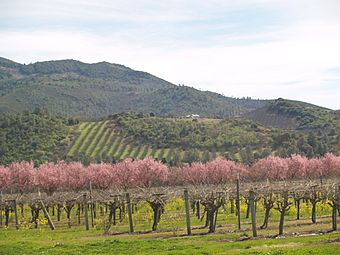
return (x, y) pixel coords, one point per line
(50, 177)
(35, 136)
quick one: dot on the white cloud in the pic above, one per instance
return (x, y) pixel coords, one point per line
(286, 60)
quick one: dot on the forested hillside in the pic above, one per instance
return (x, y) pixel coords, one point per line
(150, 126)
(40, 137)
(175, 140)
(32, 136)
(289, 114)
(72, 88)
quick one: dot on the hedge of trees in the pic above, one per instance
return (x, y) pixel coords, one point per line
(50, 177)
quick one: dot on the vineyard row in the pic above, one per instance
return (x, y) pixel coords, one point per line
(98, 139)
(249, 204)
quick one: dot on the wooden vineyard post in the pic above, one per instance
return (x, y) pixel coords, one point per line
(128, 202)
(252, 211)
(47, 215)
(91, 203)
(334, 213)
(16, 214)
(1, 208)
(86, 213)
(238, 203)
(187, 212)
(335, 208)
(338, 201)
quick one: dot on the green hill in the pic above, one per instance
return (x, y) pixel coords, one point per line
(176, 140)
(289, 114)
(38, 137)
(41, 137)
(73, 88)
(57, 91)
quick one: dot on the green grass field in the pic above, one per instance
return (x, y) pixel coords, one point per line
(300, 236)
(76, 241)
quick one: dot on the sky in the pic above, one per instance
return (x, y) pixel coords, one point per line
(246, 48)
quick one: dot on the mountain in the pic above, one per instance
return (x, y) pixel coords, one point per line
(70, 110)
(73, 88)
(289, 114)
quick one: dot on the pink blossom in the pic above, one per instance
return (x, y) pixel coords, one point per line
(22, 176)
(297, 167)
(48, 177)
(101, 175)
(272, 168)
(74, 176)
(4, 178)
(150, 173)
(330, 165)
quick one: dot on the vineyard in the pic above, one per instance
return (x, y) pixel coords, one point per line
(231, 206)
(171, 140)
(128, 185)
(176, 140)
(97, 157)
(101, 141)
(273, 197)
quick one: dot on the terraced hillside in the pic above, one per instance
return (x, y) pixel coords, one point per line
(41, 137)
(110, 140)
(173, 140)
(176, 140)
(101, 141)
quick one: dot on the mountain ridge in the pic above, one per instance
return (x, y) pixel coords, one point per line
(73, 88)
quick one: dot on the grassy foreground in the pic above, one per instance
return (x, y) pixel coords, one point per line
(76, 241)
(301, 237)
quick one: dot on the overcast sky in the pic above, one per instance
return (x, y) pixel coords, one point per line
(256, 48)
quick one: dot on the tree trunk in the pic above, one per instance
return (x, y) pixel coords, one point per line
(22, 210)
(314, 213)
(114, 215)
(155, 219)
(232, 207)
(206, 221)
(78, 213)
(334, 223)
(58, 212)
(210, 215)
(298, 201)
(68, 214)
(282, 218)
(266, 218)
(198, 209)
(7, 211)
(248, 210)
